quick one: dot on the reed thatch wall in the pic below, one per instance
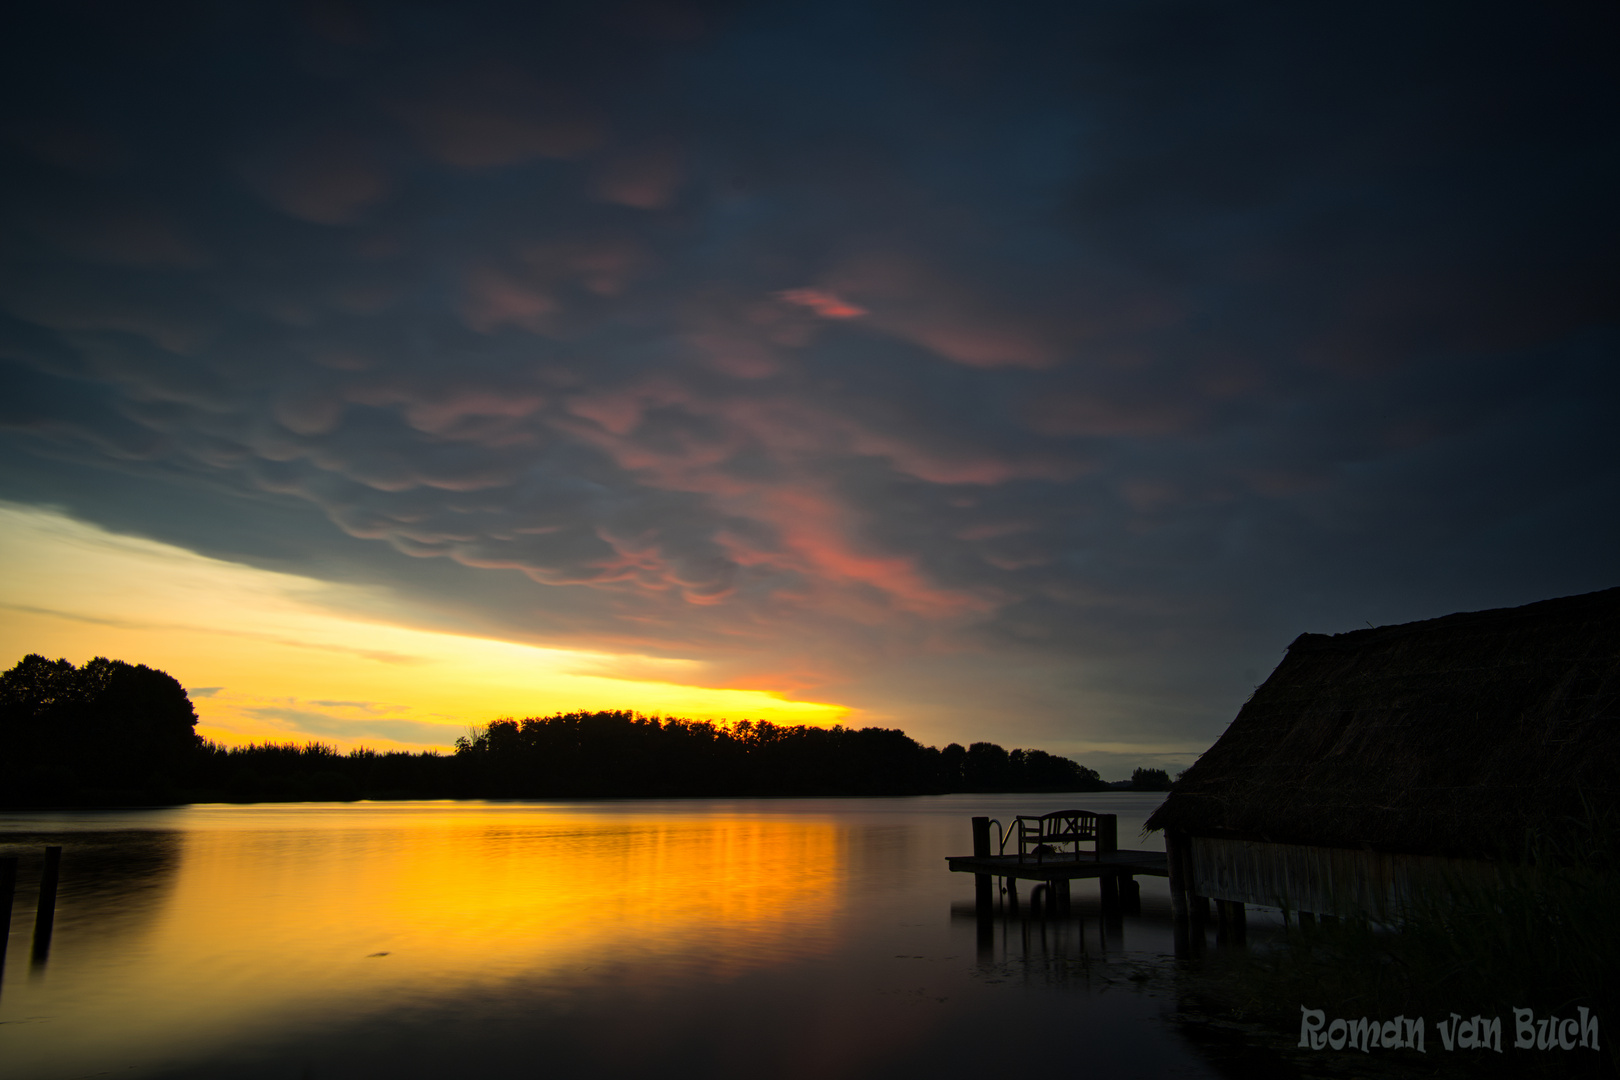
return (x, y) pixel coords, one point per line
(1451, 736)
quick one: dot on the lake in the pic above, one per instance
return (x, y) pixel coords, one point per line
(726, 938)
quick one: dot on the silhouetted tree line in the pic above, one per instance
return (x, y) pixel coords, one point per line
(622, 753)
(1150, 780)
(111, 733)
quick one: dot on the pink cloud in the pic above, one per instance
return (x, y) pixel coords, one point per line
(915, 302)
(954, 338)
(442, 415)
(735, 354)
(620, 411)
(308, 412)
(822, 303)
(645, 179)
(818, 531)
(604, 265)
(492, 298)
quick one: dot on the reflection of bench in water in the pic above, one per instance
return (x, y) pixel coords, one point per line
(1039, 857)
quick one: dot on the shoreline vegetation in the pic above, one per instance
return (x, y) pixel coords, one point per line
(117, 734)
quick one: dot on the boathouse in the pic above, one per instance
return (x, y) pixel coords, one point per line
(1375, 763)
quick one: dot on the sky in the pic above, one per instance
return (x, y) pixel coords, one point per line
(1031, 373)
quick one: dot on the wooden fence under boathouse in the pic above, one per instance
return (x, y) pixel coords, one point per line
(1318, 880)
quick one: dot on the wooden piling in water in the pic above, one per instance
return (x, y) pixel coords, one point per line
(983, 886)
(1107, 833)
(45, 913)
(1230, 922)
(1180, 908)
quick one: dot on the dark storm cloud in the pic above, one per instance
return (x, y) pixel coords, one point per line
(1099, 349)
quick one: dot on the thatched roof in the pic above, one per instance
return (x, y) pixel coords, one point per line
(1448, 736)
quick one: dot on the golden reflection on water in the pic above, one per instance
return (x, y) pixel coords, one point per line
(277, 916)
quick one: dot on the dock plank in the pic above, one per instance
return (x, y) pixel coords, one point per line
(1058, 868)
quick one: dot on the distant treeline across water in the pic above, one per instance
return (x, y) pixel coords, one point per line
(112, 733)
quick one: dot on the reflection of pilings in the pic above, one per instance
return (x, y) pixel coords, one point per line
(1130, 895)
(8, 890)
(1200, 920)
(45, 915)
(1037, 898)
(1113, 918)
(983, 896)
(1108, 887)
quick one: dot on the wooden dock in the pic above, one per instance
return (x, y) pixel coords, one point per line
(1124, 863)
(1037, 858)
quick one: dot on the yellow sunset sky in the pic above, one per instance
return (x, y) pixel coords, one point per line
(273, 656)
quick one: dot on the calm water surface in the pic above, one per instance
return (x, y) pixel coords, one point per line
(783, 938)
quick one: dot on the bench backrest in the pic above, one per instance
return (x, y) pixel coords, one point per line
(1058, 827)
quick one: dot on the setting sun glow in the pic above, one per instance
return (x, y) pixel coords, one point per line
(275, 656)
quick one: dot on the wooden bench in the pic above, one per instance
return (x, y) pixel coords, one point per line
(1038, 835)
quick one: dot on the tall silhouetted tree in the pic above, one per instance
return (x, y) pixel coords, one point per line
(108, 731)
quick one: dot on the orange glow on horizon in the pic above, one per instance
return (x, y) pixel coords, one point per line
(271, 656)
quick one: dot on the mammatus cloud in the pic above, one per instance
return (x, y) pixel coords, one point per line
(824, 304)
(1099, 360)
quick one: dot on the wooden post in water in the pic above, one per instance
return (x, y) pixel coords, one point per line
(983, 894)
(8, 890)
(1200, 919)
(1237, 917)
(1130, 895)
(1107, 833)
(45, 914)
(1180, 910)
(1197, 906)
